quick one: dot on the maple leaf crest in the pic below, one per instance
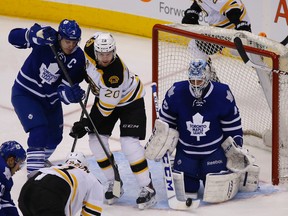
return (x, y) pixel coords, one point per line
(48, 75)
(197, 127)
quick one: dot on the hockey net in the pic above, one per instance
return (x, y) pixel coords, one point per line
(260, 95)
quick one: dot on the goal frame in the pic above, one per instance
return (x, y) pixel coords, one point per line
(275, 81)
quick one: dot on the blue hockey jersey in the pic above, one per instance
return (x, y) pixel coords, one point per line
(40, 73)
(7, 206)
(202, 124)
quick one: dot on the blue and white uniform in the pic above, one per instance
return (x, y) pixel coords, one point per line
(203, 124)
(35, 93)
(7, 206)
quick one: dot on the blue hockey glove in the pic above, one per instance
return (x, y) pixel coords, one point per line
(72, 94)
(41, 35)
(80, 128)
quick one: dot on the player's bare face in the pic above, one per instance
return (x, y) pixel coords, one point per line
(68, 46)
(105, 58)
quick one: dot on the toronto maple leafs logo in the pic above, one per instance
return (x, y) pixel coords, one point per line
(48, 75)
(171, 91)
(197, 127)
(229, 96)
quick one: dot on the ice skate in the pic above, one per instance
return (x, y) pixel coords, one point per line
(109, 196)
(146, 197)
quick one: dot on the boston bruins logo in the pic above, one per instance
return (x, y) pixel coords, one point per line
(113, 79)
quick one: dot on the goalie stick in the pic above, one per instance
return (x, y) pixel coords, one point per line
(173, 202)
(242, 52)
(117, 181)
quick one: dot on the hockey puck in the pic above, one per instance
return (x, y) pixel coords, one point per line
(189, 202)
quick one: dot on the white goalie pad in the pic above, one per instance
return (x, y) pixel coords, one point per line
(221, 187)
(162, 140)
(249, 180)
(238, 158)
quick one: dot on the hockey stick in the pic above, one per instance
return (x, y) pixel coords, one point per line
(117, 181)
(81, 117)
(241, 50)
(173, 202)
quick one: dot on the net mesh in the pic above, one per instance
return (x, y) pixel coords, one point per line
(175, 51)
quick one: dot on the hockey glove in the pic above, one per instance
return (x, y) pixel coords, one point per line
(80, 128)
(72, 94)
(41, 35)
(190, 17)
(243, 26)
(238, 158)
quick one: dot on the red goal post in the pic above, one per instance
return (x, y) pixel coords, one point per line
(260, 95)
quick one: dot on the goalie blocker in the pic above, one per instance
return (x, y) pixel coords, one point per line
(163, 139)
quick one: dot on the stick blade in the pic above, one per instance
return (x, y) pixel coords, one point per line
(117, 188)
(240, 48)
(183, 205)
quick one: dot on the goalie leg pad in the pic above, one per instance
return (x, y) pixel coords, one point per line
(249, 181)
(221, 187)
(178, 178)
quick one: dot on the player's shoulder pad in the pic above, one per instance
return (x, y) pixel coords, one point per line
(113, 74)
(89, 48)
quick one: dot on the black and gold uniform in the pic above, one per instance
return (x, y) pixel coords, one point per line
(118, 96)
(230, 14)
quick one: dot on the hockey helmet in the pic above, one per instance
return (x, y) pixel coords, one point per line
(198, 75)
(12, 149)
(104, 42)
(70, 30)
(77, 159)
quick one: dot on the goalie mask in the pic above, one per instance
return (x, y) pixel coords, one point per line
(198, 75)
(104, 43)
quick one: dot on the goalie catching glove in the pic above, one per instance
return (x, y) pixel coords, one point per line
(162, 140)
(238, 158)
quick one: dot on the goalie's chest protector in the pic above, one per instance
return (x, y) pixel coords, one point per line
(199, 121)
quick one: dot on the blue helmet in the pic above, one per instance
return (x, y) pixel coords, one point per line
(70, 30)
(12, 149)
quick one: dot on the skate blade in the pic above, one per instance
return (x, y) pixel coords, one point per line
(149, 204)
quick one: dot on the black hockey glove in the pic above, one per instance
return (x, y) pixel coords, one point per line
(243, 26)
(80, 128)
(190, 17)
(41, 35)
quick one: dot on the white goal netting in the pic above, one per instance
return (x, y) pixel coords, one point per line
(256, 91)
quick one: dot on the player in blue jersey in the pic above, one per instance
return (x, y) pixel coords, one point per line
(206, 118)
(40, 85)
(12, 157)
